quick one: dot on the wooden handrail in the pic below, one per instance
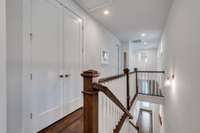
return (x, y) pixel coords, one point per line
(132, 72)
(110, 78)
(136, 127)
(151, 95)
(112, 97)
(133, 100)
(120, 124)
(107, 79)
(151, 72)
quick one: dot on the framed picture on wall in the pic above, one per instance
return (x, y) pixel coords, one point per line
(105, 56)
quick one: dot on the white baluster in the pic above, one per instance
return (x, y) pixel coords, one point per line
(104, 118)
(100, 112)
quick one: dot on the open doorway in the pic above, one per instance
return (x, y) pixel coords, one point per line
(125, 60)
(145, 121)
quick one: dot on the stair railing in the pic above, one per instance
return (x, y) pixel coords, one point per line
(151, 83)
(107, 101)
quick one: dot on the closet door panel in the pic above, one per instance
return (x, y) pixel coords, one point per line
(47, 93)
(72, 61)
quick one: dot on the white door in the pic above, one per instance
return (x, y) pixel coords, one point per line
(72, 61)
(47, 94)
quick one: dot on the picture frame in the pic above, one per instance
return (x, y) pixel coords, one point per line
(105, 56)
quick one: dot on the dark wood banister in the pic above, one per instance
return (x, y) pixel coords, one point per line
(107, 79)
(136, 127)
(151, 72)
(112, 97)
(133, 100)
(110, 78)
(151, 95)
(120, 124)
(132, 72)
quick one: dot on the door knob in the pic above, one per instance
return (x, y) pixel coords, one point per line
(61, 76)
(66, 75)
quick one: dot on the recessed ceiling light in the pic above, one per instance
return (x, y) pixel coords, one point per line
(80, 20)
(143, 34)
(106, 12)
(145, 43)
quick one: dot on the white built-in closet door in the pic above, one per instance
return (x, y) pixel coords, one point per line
(72, 61)
(47, 43)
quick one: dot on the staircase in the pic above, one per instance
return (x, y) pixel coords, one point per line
(108, 102)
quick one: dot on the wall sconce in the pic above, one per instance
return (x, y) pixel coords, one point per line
(169, 80)
(173, 76)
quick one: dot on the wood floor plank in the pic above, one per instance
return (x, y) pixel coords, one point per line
(72, 123)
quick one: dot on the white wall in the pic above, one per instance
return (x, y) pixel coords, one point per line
(14, 65)
(181, 57)
(97, 38)
(137, 59)
(3, 66)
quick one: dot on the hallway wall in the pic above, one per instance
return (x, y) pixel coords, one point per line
(144, 59)
(96, 38)
(181, 57)
(3, 66)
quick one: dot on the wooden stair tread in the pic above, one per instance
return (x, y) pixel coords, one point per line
(72, 123)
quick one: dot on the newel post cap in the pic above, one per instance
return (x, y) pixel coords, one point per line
(90, 74)
(126, 70)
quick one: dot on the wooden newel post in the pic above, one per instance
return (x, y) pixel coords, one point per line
(126, 72)
(90, 108)
(136, 78)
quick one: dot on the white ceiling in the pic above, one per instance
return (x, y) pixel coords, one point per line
(129, 18)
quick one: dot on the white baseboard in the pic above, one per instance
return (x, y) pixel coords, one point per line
(73, 105)
(43, 120)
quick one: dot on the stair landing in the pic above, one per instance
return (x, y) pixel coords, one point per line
(72, 123)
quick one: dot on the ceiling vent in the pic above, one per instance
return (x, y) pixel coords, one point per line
(137, 41)
(92, 5)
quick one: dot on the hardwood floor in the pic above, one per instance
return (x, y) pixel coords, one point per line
(73, 123)
(145, 122)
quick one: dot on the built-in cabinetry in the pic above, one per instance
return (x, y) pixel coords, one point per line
(56, 62)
